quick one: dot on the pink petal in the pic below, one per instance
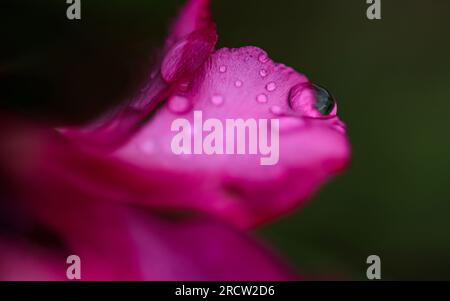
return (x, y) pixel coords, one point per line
(237, 187)
(114, 239)
(88, 201)
(189, 54)
(230, 83)
(119, 243)
(21, 261)
(194, 16)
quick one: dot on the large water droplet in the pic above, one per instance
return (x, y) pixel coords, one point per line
(262, 98)
(238, 83)
(311, 100)
(217, 100)
(179, 104)
(271, 87)
(263, 72)
(263, 58)
(223, 69)
(324, 100)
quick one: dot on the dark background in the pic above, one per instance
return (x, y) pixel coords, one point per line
(391, 78)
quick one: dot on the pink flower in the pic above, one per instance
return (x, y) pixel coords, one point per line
(115, 194)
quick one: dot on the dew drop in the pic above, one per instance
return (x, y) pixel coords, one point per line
(217, 100)
(325, 102)
(276, 110)
(271, 87)
(147, 147)
(178, 104)
(184, 86)
(238, 83)
(223, 69)
(262, 98)
(312, 100)
(263, 72)
(263, 58)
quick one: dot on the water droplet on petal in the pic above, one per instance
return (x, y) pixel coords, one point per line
(179, 104)
(325, 102)
(147, 147)
(217, 100)
(263, 58)
(184, 86)
(262, 98)
(223, 69)
(271, 87)
(276, 110)
(263, 72)
(238, 83)
(312, 100)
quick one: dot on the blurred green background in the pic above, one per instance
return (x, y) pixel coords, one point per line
(391, 78)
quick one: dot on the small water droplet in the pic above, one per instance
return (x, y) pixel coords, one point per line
(262, 98)
(178, 104)
(263, 72)
(238, 83)
(276, 110)
(271, 87)
(147, 147)
(223, 69)
(263, 58)
(217, 99)
(184, 86)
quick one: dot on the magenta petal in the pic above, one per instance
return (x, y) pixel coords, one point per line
(20, 261)
(194, 16)
(189, 54)
(108, 190)
(237, 187)
(116, 243)
(90, 204)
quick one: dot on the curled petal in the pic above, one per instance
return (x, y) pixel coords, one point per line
(189, 54)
